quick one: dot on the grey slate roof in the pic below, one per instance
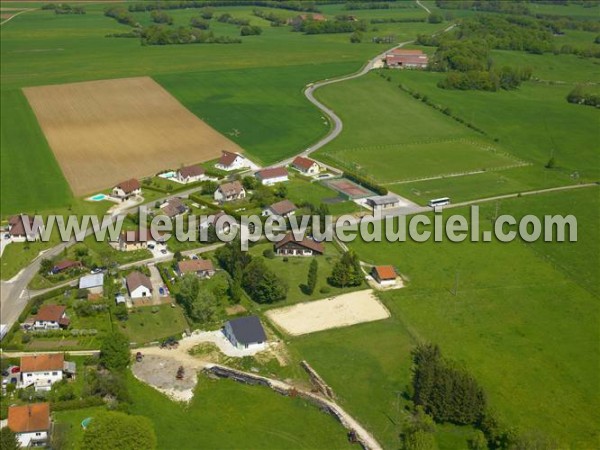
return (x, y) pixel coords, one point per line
(248, 330)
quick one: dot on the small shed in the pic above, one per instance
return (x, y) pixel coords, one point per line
(384, 275)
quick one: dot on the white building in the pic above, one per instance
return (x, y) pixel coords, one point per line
(93, 283)
(229, 192)
(23, 228)
(30, 423)
(246, 333)
(127, 189)
(51, 317)
(382, 202)
(384, 275)
(42, 371)
(138, 285)
(190, 174)
(306, 165)
(232, 161)
(284, 208)
(272, 175)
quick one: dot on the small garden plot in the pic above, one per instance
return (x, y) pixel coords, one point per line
(154, 323)
(341, 311)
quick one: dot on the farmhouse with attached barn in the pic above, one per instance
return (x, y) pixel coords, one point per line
(42, 371)
(23, 228)
(190, 174)
(272, 175)
(127, 189)
(30, 423)
(290, 246)
(284, 208)
(406, 59)
(306, 165)
(228, 192)
(138, 285)
(384, 275)
(246, 333)
(232, 161)
(201, 267)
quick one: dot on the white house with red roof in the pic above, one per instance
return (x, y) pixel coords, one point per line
(49, 317)
(42, 371)
(272, 175)
(232, 161)
(306, 165)
(384, 275)
(400, 58)
(127, 189)
(30, 423)
(191, 174)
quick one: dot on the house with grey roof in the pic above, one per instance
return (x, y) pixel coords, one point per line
(246, 333)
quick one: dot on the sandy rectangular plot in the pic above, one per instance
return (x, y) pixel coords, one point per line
(104, 132)
(335, 312)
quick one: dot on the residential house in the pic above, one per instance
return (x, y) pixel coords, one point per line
(51, 317)
(384, 275)
(138, 285)
(228, 192)
(406, 59)
(272, 175)
(190, 174)
(246, 333)
(93, 283)
(42, 371)
(66, 264)
(290, 246)
(213, 220)
(127, 189)
(232, 161)
(30, 423)
(174, 207)
(383, 202)
(23, 228)
(134, 240)
(306, 165)
(284, 208)
(201, 267)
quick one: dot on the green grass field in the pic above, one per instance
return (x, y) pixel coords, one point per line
(224, 413)
(524, 322)
(147, 324)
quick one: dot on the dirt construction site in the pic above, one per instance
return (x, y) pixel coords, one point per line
(335, 312)
(104, 132)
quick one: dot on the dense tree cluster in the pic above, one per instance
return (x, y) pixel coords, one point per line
(583, 96)
(353, 5)
(274, 19)
(121, 15)
(163, 35)
(260, 282)
(200, 23)
(347, 271)
(444, 390)
(311, 26)
(64, 8)
(228, 18)
(200, 305)
(186, 4)
(114, 352)
(397, 20)
(500, 6)
(250, 30)
(159, 16)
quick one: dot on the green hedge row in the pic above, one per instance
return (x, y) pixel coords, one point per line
(87, 402)
(366, 183)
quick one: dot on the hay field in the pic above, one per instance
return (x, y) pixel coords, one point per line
(335, 312)
(103, 132)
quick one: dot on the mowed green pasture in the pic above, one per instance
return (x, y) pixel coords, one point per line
(481, 185)
(400, 162)
(227, 414)
(534, 122)
(523, 321)
(31, 177)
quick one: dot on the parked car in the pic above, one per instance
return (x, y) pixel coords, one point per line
(164, 251)
(194, 256)
(96, 270)
(161, 291)
(151, 246)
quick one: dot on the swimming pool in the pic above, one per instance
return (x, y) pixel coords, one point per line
(85, 422)
(97, 197)
(167, 175)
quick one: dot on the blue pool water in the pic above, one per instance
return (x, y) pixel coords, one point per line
(98, 197)
(171, 174)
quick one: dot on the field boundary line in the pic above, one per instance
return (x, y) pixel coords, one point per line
(18, 14)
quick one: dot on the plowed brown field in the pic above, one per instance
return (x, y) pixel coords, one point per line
(103, 132)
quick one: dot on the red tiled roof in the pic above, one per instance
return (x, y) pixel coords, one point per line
(273, 172)
(408, 59)
(283, 207)
(385, 272)
(17, 225)
(302, 162)
(29, 418)
(304, 242)
(191, 171)
(43, 362)
(406, 52)
(136, 279)
(50, 313)
(227, 158)
(129, 186)
(195, 265)
(66, 264)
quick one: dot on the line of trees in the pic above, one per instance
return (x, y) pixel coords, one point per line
(581, 96)
(228, 18)
(162, 35)
(352, 6)
(274, 19)
(64, 8)
(121, 15)
(311, 26)
(186, 4)
(159, 16)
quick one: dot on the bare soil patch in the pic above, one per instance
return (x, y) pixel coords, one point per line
(335, 312)
(103, 132)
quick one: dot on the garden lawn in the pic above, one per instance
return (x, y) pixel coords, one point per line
(295, 272)
(523, 321)
(152, 323)
(301, 191)
(226, 413)
(68, 424)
